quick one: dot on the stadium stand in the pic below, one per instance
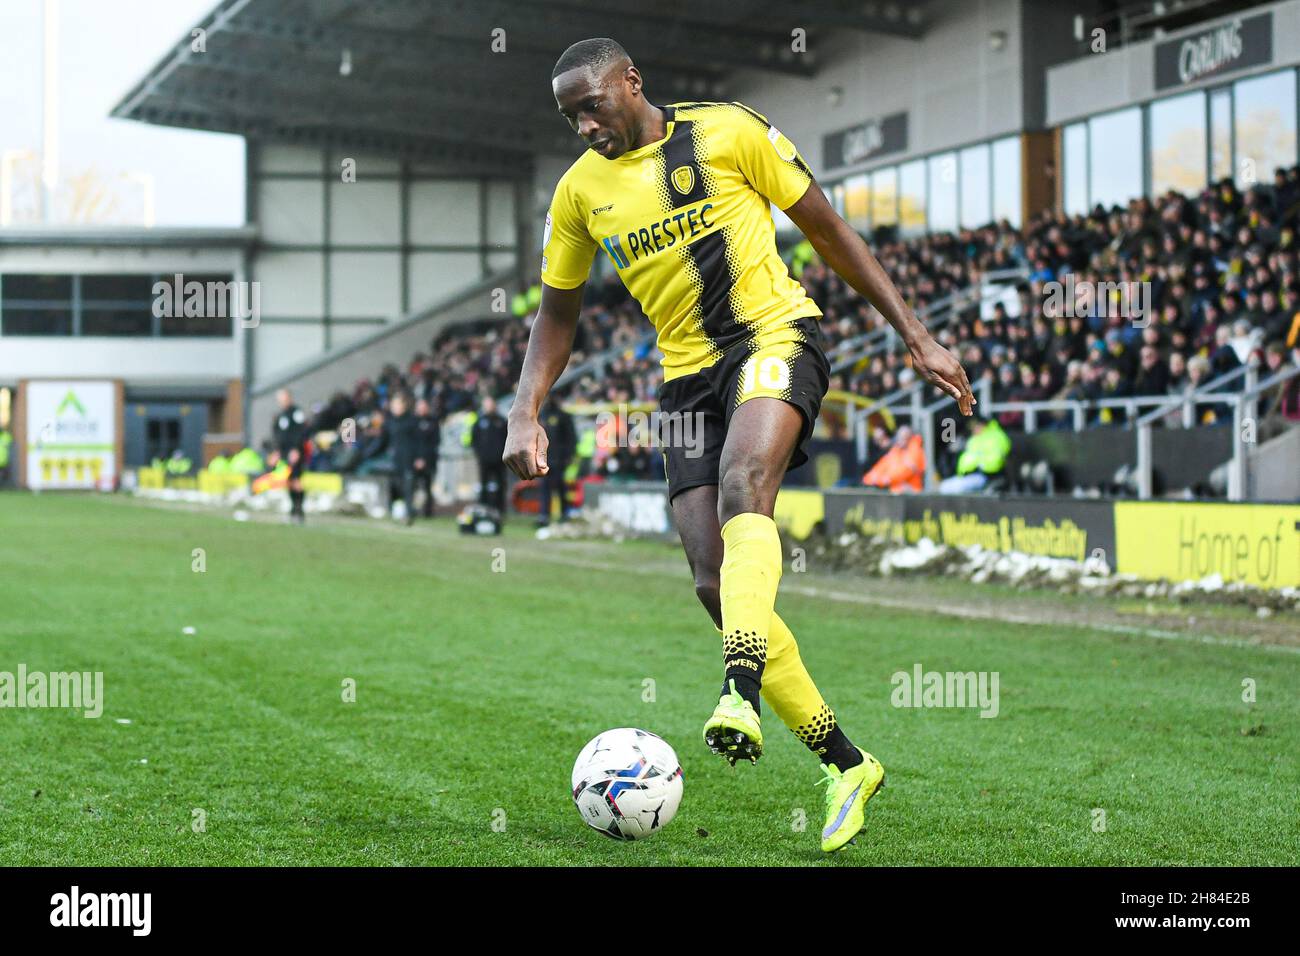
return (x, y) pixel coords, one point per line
(1220, 267)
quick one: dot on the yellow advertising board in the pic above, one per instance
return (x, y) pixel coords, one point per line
(798, 511)
(1184, 541)
(313, 482)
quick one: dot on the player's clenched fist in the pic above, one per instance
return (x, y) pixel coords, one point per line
(526, 445)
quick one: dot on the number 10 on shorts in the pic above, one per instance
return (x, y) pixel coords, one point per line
(769, 373)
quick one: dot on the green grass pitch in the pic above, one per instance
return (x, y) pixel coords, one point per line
(480, 674)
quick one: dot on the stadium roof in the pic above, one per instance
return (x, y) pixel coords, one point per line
(425, 82)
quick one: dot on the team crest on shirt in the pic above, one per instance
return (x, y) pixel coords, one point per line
(784, 148)
(683, 179)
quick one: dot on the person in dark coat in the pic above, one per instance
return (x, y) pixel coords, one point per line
(488, 440)
(401, 428)
(428, 434)
(563, 438)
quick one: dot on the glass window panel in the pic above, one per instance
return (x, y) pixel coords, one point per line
(911, 198)
(837, 198)
(107, 320)
(1006, 180)
(884, 197)
(20, 320)
(942, 171)
(1177, 128)
(975, 200)
(1264, 117)
(1115, 158)
(1076, 168)
(36, 288)
(127, 288)
(222, 301)
(857, 202)
(1221, 135)
(179, 325)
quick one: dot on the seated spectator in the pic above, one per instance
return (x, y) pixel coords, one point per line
(902, 468)
(247, 462)
(984, 456)
(1281, 403)
(1279, 324)
(1153, 374)
(374, 446)
(1113, 386)
(879, 447)
(1199, 374)
(1177, 377)
(1245, 339)
(1223, 358)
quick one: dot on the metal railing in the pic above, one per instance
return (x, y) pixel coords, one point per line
(858, 417)
(910, 402)
(597, 363)
(934, 314)
(1245, 408)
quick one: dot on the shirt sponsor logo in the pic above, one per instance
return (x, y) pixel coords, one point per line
(637, 244)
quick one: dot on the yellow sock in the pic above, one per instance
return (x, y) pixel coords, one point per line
(790, 690)
(751, 571)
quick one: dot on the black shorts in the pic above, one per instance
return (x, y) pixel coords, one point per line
(297, 462)
(696, 409)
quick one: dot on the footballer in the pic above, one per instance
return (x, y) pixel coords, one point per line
(679, 198)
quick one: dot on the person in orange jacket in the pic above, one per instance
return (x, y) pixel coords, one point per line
(903, 466)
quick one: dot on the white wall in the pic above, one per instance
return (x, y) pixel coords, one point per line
(137, 360)
(317, 297)
(106, 259)
(179, 361)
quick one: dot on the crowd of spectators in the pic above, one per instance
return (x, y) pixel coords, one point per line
(474, 362)
(1145, 301)
(1199, 285)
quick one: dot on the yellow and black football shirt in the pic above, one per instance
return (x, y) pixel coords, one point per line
(686, 222)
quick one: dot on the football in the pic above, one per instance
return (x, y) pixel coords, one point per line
(627, 783)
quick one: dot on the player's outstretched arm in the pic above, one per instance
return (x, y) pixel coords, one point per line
(549, 345)
(844, 251)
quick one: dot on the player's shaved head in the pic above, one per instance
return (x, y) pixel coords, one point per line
(598, 91)
(594, 54)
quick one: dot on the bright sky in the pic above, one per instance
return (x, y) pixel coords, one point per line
(105, 47)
